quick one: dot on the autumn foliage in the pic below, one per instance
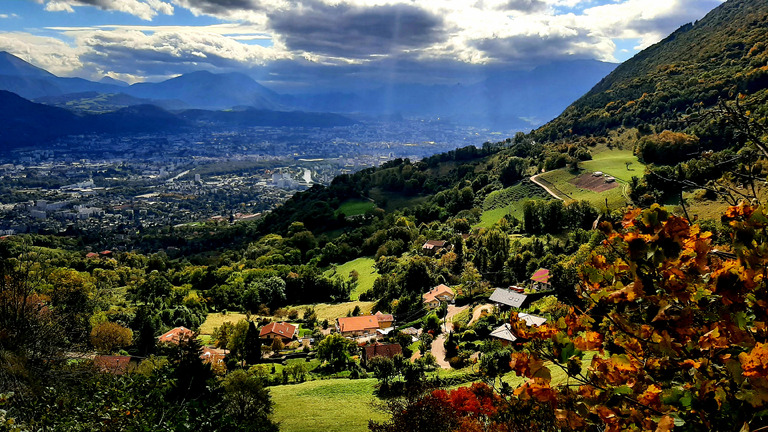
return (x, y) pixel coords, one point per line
(679, 329)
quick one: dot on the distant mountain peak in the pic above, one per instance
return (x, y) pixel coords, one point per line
(14, 66)
(112, 81)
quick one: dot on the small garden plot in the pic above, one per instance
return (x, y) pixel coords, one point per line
(595, 183)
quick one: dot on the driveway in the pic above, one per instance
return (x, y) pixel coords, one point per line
(478, 312)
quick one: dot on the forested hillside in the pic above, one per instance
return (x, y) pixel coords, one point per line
(718, 57)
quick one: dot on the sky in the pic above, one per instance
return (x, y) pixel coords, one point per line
(304, 43)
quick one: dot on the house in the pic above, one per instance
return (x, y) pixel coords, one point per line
(385, 320)
(357, 326)
(508, 298)
(175, 335)
(213, 356)
(116, 365)
(380, 350)
(432, 246)
(281, 330)
(504, 331)
(440, 293)
(540, 280)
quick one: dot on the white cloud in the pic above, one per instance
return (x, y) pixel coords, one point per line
(367, 33)
(7, 16)
(144, 9)
(48, 53)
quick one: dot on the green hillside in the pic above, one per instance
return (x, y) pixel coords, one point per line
(717, 57)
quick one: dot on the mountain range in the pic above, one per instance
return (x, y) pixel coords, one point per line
(506, 100)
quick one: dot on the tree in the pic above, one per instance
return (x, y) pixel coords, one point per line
(252, 344)
(470, 278)
(678, 328)
(247, 402)
(277, 344)
(336, 350)
(108, 337)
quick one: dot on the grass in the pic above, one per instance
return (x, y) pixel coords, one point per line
(509, 202)
(613, 162)
(323, 311)
(561, 180)
(367, 274)
(327, 405)
(216, 319)
(333, 311)
(355, 207)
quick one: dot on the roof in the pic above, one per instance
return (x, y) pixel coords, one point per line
(410, 331)
(384, 317)
(91, 255)
(175, 335)
(283, 329)
(541, 275)
(431, 244)
(376, 350)
(532, 320)
(504, 332)
(358, 323)
(441, 289)
(213, 355)
(117, 365)
(508, 297)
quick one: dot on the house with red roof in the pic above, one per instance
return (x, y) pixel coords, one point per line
(380, 350)
(385, 320)
(433, 246)
(115, 365)
(440, 293)
(281, 330)
(175, 335)
(357, 325)
(540, 280)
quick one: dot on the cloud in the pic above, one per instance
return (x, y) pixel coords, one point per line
(48, 53)
(166, 53)
(361, 38)
(7, 16)
(144, 9)
(348, 31)
(647, 20)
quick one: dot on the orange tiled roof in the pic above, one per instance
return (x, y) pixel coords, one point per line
(436, 291)
(358, 323)
(281, 329)
(175, 335)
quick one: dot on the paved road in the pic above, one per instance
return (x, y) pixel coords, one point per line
(535, 180)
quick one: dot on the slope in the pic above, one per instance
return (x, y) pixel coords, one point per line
(724, 53)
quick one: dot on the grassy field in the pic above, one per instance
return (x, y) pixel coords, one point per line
(336, 405)
(509, 202)
(621, 164)
(561, 180)
(323, 311)
(333, 311)
(217, 319)
(355, 207)
(367, 274)
(614, 163)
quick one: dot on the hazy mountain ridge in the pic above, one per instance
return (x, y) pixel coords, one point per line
(499, 99)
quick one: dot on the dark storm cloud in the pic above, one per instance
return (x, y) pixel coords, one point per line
(527, 6)
(355, 32)
(524, 49)
(220, 7)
